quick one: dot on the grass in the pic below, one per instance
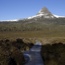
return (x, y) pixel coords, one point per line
(43, 36)
(31, 34)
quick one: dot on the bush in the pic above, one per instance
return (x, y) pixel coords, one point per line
(10, 52)
(53, 54)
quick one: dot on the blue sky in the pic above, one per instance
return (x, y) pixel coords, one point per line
(17, 9)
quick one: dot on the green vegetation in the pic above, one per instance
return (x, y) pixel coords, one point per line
(56, 24)
(10, 52)
(33, 28)
(45, 30)
(53, 54)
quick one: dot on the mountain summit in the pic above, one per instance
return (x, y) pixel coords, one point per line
(44, 12)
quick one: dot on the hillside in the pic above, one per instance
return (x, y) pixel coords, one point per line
(43, 20)
(43, 24)
(56, 24)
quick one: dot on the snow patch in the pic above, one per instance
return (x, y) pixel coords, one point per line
(40, 15)
(35, 16)
(59, 16)
(9, 20)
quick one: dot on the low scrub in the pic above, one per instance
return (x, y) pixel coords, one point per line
(53, 54)
(11, 52)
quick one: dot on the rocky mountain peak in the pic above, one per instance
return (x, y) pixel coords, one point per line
(46, 13)
(44, 10)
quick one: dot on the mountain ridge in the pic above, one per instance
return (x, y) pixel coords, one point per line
(36, 23)
(44, 13)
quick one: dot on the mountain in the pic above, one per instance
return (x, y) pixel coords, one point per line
(45, 13)
(44, 20)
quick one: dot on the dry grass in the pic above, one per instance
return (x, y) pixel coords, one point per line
(31, 36)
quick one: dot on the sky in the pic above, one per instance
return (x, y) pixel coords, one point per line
(18, 9)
